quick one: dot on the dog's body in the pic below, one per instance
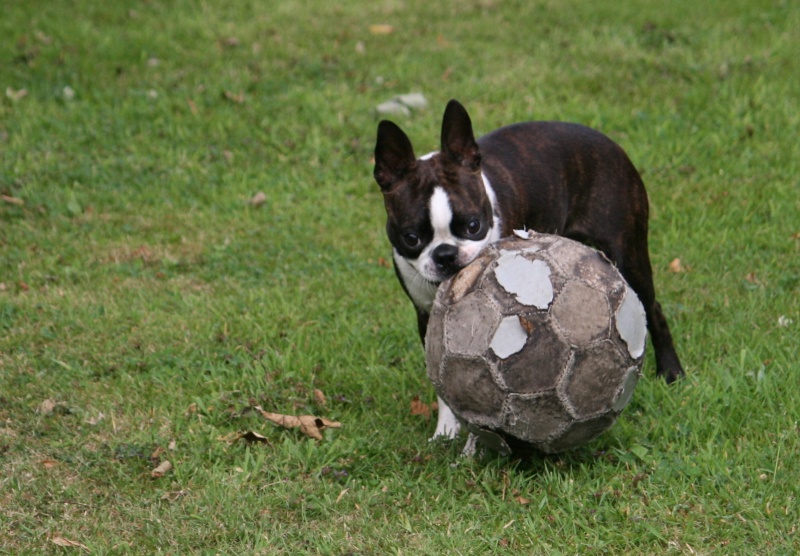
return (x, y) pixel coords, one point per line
(551, 177)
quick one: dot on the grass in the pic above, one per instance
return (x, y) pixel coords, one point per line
(144, 296)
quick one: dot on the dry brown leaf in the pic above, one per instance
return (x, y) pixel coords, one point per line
(319, 397)
(310, 425)
(47, 407)
(420, 408)
(522, 500)
(61, 541)
(676, 266)
(381, 29)
(16, 95)
(192, 106)
(258, 199)
(384, 263)
(13, 200)
(49, 463)
(163, 468)
(233, 97)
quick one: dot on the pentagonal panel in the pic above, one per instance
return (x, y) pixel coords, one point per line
(539, 365)
(535, 418)
(582, 313)
(580, 432)
(528, 281)
(593, 383)
(632, 323)
(576, 259)
(469, 325)
(509, 338)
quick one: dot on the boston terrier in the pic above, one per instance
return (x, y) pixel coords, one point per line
(550, 177)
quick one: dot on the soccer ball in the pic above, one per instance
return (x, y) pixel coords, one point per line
(538, 342)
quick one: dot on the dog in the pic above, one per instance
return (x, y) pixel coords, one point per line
(551, 177)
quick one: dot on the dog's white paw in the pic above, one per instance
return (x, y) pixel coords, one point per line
(471, 447)
(447, 425)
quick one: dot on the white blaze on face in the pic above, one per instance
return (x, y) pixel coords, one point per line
(441, 217)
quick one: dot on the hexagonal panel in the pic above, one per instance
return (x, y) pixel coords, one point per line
(525, 279)
(540, 364)
(469, 389)
(434, 343)
(582, 313)
(596, 376)
(469, 324)
(535, 417)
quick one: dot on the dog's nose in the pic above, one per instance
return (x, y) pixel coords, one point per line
(445, 256)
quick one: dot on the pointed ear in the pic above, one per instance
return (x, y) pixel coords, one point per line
(458, 140)
(394, 155)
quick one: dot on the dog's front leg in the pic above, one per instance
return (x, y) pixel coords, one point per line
(447, 425)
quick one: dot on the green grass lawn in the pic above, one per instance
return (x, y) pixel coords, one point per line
(145, 303)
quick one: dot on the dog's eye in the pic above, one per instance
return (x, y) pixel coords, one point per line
(474, 226)
(411, 240)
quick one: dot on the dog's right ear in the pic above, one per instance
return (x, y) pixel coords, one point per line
(394, 155)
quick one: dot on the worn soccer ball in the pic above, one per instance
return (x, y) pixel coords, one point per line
(538, 342)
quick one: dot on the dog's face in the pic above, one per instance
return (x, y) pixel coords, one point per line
(441, 211)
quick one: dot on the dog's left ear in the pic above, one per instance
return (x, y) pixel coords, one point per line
(458, 140)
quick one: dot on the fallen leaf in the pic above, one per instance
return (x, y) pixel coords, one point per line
(319, 397)
(172, 444)
(522, 500)
(163, 468)
(310, 425)
(676, 266)
(341, 495)
(420, 408)
(15, 95)
(49, 463)
(192, 106)
(233, 97)
(94, 420)
(192, 409)
(61, 541)
(384, 263)
(258, 199)
(12, 200)
(752, 278)
(155, 457)
(47, 407)
(381, 29)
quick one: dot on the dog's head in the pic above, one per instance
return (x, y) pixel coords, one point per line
(441, 211)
